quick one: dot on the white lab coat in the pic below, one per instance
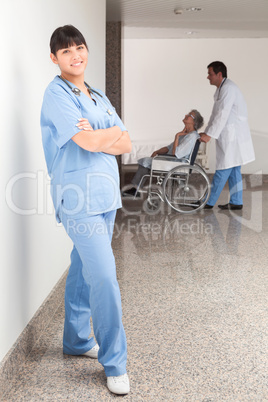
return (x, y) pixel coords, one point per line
(228, 124)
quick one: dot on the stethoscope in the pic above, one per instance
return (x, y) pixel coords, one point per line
(77, 92)
(223, 81)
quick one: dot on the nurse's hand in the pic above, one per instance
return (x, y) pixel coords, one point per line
(204, 137)
(84, 125)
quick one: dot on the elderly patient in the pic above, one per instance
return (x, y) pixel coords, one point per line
(181, 147)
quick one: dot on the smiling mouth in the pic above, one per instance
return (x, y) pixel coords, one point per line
(76, 64)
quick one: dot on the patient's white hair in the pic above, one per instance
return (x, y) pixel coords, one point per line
(198, 119)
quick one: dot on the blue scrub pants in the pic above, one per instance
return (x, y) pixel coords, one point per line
(92, 290)
(234, 177)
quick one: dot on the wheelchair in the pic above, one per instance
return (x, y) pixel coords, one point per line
(182, 184)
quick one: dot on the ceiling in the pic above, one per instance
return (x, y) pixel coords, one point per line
(216, 19)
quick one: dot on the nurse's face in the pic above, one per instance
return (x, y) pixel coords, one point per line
(72, 61)
(214, 79)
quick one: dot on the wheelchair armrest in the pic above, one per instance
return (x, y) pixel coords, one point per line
(164, 163)
(166, 157)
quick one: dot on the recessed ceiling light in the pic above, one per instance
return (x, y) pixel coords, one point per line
(191, 32)
(194, 9)
(178, 11)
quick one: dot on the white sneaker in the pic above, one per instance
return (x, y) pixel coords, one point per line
(93, 353)
(118, 385)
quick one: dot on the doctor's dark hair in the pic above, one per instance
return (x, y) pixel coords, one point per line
(64, 37)
(219, 66)
(198, 119)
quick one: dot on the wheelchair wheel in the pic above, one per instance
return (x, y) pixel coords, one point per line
(186, 188)
(152, 204)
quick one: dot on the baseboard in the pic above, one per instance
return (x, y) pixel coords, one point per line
(17, 355)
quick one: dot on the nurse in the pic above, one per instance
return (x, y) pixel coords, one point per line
(80, 157)
(228, 124)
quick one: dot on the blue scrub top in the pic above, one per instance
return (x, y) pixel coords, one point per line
(82, 183)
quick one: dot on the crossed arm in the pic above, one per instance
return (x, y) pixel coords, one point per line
(111, 140)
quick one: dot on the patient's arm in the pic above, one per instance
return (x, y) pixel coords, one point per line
(160, 151)
(177, 140)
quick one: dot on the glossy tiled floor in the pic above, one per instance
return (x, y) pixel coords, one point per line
(194, 294)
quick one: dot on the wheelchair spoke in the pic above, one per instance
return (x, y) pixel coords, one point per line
(186, 188)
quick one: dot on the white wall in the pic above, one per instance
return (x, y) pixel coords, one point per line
(164, 78)
(34, 251)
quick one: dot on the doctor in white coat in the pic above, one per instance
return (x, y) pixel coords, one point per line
(228, 124)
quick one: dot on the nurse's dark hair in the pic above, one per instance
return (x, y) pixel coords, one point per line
(219, 66)
(198, 119)
(64, 37)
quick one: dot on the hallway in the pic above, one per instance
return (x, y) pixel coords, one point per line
(194, 295)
